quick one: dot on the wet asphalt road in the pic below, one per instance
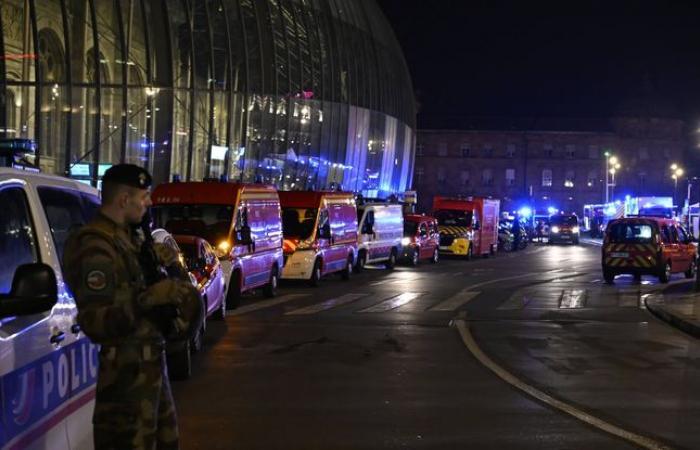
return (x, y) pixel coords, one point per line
(377, 362)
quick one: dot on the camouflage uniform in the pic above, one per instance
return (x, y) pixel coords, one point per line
(134, 407)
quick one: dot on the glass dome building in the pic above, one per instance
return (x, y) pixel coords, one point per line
(299, 93)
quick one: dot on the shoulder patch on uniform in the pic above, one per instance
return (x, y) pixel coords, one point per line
(96, 280)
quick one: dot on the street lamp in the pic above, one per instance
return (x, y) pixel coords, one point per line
(612, 165)
(676, 173)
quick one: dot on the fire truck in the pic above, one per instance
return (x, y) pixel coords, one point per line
(468, 226)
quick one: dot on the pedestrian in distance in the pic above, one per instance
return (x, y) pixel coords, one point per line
(129, 318)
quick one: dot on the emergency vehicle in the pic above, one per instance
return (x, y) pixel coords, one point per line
(241, 221)
(468, 226)
(48, 368)
(380, 230)
(320, 234)
(647, 246)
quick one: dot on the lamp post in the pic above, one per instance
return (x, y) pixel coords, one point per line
(612, 165)
(676, 173)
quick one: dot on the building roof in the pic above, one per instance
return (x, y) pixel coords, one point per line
(493, 123)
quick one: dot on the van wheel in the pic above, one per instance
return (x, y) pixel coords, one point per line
(391, 262)
(608, 276)
(316, 274)
(347, 272)
(361, 261)
(233, 296)
(436, 256)
(665, 275)
(690, 273)
(414, 256)
(270, 289)
(180, 363)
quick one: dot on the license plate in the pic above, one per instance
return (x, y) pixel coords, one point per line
(619, 255)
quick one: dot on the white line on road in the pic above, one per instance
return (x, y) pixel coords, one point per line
(573, 298)
(465, 295)
(265, 304)
(326, 305)
(583, 416)
(455, 301)
(392, 303)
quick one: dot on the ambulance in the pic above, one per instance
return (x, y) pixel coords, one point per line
(320, 234)
(380, 230)
(48, 367)
(241, 221)
(468, 226)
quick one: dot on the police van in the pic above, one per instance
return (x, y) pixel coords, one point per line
(48, 367)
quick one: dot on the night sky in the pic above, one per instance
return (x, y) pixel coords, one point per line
(523, 58)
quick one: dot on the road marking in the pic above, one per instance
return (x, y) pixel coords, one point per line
(464, 296)
(392, 303)
(579, 414)
(265, 304)
(572, 298)
(455, 301)
(326, 305)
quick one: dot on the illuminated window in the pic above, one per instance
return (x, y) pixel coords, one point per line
(547, 177)
(569, 179)
(592, 176)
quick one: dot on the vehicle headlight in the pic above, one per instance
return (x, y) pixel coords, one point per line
(555, 229)
(574, 230)
(406, 241)
(222, 249)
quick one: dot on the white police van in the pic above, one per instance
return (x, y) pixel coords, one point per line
(48, 368)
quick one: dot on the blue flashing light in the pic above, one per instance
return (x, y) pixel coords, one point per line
(525, 212)
(552, 210)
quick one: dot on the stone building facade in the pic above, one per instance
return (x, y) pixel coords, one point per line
(542, 163)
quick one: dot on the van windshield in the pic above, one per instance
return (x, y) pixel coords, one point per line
(632, 233)
(298, 222)
(211, 222)
(454, 218)
(563, 220)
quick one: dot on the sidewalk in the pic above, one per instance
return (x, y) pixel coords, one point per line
(679, 307)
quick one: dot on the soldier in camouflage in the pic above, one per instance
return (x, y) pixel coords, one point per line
(134, 407)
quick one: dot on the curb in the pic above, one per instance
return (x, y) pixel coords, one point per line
(683, 325)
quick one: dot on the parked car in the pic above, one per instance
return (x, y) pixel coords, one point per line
(179, 354)
(320, 234)
(380, 229)
(240, 221)
(41, 343)
(468, 226)
(564, 228)
(647, 246)
(206, 269)
(421, 239)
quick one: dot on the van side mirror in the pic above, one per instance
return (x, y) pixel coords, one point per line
(245, 235)
(33, 291)
(325, 231)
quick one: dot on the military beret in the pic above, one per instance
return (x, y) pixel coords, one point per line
(128, 175)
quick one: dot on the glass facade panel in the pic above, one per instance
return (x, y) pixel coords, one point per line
(299, 93)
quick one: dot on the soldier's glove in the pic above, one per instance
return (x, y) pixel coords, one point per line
(164, 292)
(166, 255)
